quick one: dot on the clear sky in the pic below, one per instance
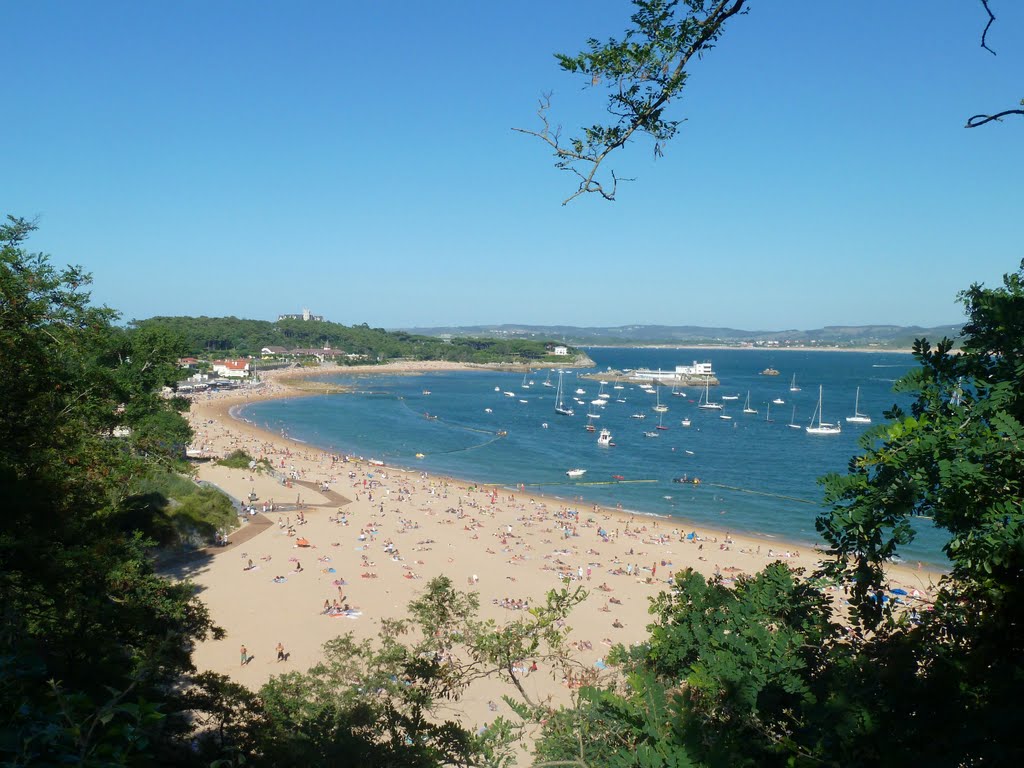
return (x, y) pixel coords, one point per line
(357, 158)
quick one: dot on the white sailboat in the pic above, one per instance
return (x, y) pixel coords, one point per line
(858, 417)
(747, 408)
(768, 415)
(659, 408)
(822, 427)
(705, 403)
(524, 385)
(560, 408)
(547, 381)
(792, 385)
(792, 421)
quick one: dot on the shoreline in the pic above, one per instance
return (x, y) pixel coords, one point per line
(396, 527)
(486, 483)
(286, 389)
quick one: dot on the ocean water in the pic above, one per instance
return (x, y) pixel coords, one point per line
(757, 474)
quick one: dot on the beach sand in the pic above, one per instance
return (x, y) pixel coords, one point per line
(500, 542)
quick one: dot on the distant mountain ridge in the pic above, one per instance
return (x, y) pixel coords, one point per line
(882, 336)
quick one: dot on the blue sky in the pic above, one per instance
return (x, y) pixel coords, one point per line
(252, 158)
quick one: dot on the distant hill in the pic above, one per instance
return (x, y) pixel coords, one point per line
(882, 336)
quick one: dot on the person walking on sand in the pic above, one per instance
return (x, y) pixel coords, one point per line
(245, 656)
(281, 655)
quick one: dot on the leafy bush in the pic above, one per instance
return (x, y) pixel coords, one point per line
(240, 459)
(171, 510)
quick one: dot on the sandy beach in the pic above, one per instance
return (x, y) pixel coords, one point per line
(376, 533)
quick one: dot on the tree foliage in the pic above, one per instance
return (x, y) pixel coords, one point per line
(383, 703)
(90, 637)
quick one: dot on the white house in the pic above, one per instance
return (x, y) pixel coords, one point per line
(231, 369)
(561, 351)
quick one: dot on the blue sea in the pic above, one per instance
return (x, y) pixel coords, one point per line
(757, 474)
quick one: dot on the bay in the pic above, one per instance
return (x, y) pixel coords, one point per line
(757, 474)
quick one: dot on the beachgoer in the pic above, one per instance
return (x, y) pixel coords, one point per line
(245, 656)
(281, 655)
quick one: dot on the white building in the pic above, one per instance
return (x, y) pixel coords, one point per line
(306, 316)
(681, 373)
(231, 369)
(561, 351)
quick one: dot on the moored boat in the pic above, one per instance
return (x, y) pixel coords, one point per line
(822, 427)
(858, 417)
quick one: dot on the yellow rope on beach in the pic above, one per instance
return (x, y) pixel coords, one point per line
(762, 493)
(585, 482)
(452, 424)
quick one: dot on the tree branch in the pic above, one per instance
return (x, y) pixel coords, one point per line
(984, 33)
(645, 77)
(978, 120)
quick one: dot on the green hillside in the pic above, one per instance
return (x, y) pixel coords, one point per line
(224, 336)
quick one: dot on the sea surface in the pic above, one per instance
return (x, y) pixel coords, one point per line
(758, 475)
